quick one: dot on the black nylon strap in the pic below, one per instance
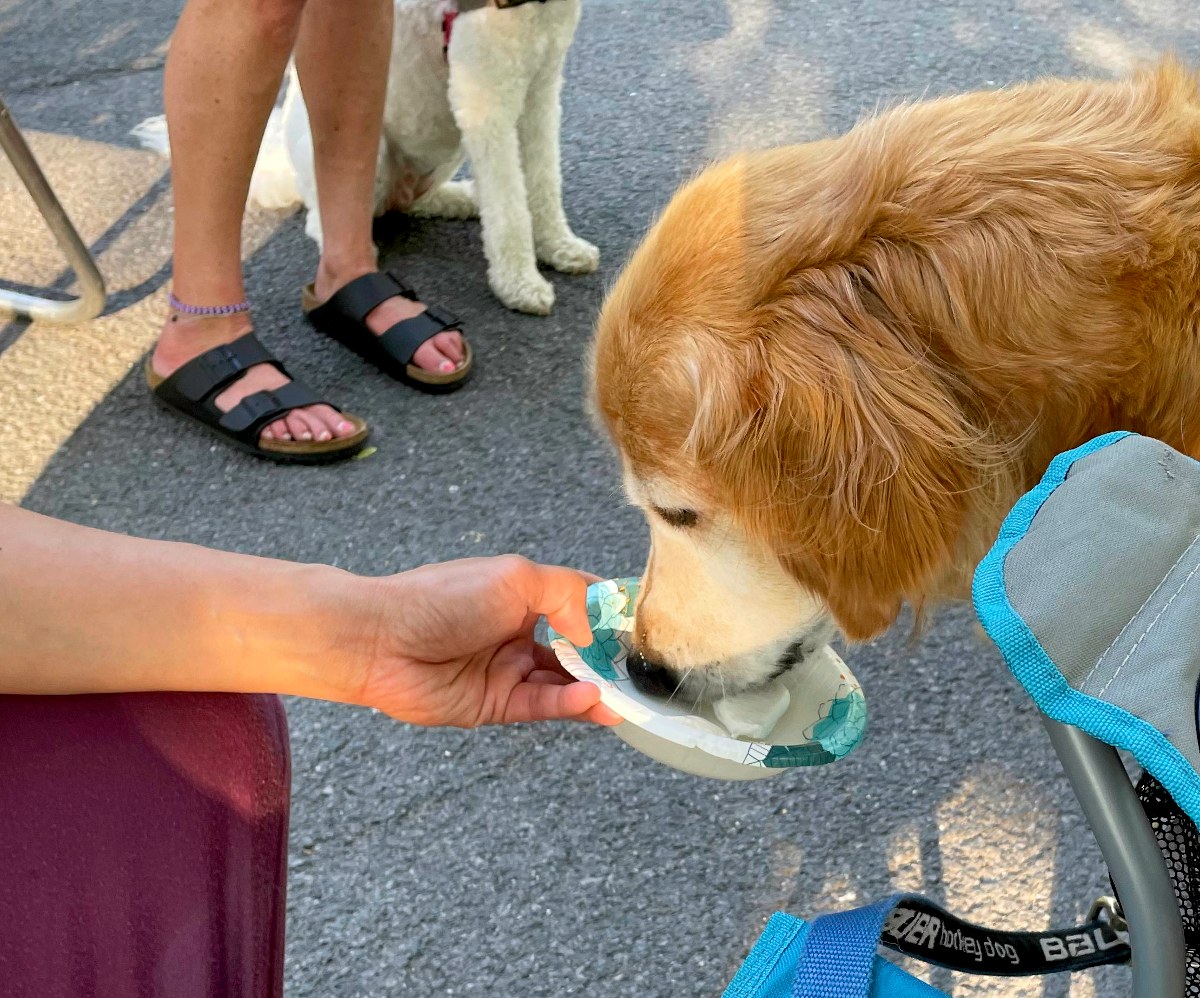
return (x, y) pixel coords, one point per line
(361, 295)
(255, 411)
(404, 338)
(209, 373)
(921, 929)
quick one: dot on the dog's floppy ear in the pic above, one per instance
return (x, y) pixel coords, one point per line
(874, 461)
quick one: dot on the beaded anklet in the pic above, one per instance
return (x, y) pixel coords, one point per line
(206, 311)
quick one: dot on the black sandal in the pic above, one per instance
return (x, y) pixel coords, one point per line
(191, 390)
(343, 317)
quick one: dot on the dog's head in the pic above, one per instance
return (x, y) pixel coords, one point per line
(802, 466)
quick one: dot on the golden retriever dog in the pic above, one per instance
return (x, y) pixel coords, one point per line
(830, 369)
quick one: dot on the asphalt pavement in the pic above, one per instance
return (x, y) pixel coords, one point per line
(545, 861)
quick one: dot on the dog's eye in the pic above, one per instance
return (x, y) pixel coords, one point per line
(678, 517)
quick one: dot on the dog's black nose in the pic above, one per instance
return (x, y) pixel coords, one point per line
(649, 677)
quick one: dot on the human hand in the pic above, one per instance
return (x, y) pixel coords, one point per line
(453, 645)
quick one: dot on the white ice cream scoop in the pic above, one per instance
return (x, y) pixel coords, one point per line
(753, 715)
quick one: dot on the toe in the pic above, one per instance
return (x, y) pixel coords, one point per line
(429, 358)
(450, 345)
(276, 431)
(328, 423)
(316, 425)
(299, 425)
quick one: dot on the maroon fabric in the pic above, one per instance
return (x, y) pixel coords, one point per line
(143, 846)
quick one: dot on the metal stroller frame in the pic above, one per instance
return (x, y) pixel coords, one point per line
(1137, 866)
(91, 301)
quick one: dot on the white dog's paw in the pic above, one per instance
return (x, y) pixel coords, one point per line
(570, 255)
(523, 291)
(454, 199)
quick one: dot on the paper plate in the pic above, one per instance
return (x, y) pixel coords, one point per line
(825, 720)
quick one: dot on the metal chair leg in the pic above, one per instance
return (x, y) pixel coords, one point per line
(91, 302)
(1131, 851)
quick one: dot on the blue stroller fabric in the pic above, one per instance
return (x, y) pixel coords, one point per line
(837, 955)
(833, 957)
(1092, 595)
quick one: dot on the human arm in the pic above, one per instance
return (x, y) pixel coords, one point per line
(85, 611)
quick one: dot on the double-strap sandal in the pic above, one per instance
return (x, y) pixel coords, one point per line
(191, 391)
(343, 317)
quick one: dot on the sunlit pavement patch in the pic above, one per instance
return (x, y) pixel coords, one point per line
(52, 377)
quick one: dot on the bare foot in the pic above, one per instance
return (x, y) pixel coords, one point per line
(184, 337)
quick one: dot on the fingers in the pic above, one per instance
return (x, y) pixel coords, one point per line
(548, 672)
(548, 678)
(553, 701)
(602, 715)
(558, 594)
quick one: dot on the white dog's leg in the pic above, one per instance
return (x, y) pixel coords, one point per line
(539, 128)
(487, 102)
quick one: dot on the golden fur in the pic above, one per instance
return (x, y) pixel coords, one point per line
(860, 351)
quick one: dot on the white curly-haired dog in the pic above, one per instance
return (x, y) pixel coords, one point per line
(490, 97)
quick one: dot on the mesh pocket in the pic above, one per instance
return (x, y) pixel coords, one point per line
(1180, 844)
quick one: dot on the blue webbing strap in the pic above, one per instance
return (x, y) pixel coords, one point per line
(839, 954)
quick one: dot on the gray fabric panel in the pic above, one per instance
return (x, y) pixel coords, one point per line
(1162, 623)
(1108, 580)
(1151, 671)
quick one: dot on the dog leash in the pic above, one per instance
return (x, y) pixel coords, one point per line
(917, 927)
